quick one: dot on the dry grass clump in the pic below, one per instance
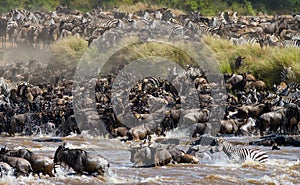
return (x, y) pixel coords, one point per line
(68, 51)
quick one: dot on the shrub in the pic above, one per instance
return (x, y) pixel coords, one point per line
(67, 52)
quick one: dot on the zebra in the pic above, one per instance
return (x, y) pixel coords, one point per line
(168, 15)
(293, 43)
(110, 23)
(176, 30)
(156, 82)
(239, 154)
(241, 41)
(19, 87)
(287, 74)
(199, 28)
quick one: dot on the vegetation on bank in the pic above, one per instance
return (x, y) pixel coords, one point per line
(67, 52)
(265, 63)
(207, 7)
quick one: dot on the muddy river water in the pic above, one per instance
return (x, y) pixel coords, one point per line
(283, 167)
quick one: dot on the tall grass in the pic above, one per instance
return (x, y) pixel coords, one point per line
(265, 63)
(67, 52)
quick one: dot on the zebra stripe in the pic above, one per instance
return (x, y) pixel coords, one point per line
(168, 15)
(294, 43)
(240, 154)
(109, 23)
(242, 41)
(274, 99)
(177, 30)
(287, 74)
(6, 88)
(155, 81)
(199, 28)
(293, 86)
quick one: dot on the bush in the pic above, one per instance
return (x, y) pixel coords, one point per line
(67, 52)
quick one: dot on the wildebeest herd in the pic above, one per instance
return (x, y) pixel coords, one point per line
(45, 104)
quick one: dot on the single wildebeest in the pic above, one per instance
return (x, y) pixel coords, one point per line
(237, 82)
(180, 156)
(69, 126)
(137, 133)
(80, 160)
(196, 117)
(161, 155)
(271, 121)
(238, 62)
(22, 166)
(119, 131)
(39, 164)
(229, 126)
(149, 155)
(199, 128)
(141, 156)
(253, 111)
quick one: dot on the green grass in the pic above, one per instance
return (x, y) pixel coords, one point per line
(265, 64)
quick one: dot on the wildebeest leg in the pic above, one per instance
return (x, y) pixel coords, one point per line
(54, 168)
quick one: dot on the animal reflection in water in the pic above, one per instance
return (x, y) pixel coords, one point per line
(239, 154)
(80, 160)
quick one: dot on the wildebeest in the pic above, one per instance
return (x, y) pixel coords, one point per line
(39, 164)
(154, 154)
(237, 81)
(271, 121)
(120, 131)
(253, 111)
(161, 155)
(80, 160)
(3, 27)
(22, 166)
(137, 133)
(180, 156)
(229, 126)
(141, 156)
(198, 128)
(258, 85)
(69, 126)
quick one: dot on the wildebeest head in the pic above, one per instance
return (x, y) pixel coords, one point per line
(141, 156)
(57, 155)
(3, 150)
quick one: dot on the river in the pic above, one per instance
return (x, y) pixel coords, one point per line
(283, 167)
